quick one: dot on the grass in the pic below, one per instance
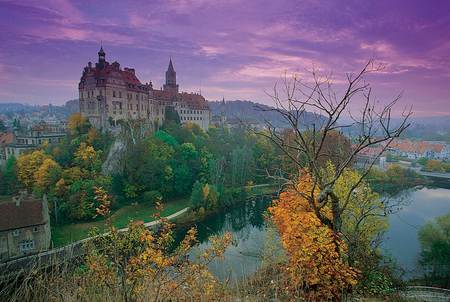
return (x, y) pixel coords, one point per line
(67, 233)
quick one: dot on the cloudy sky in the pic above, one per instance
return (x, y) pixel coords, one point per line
(232, 48)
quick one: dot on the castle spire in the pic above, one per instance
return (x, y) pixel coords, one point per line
(170, 68)
(171, 78)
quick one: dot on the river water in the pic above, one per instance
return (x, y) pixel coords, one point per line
(401, 240)
(246, 223)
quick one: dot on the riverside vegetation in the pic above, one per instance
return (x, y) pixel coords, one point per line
(328, 219)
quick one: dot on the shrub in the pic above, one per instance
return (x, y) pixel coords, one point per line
(152, 196)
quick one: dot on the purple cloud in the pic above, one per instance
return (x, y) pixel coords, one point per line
(237, 49)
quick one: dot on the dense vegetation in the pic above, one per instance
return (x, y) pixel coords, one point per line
(171, 163)
(435, 255)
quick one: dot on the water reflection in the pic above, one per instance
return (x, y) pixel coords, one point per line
(401, 241)
(247, 225)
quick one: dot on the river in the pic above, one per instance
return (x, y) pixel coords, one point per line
(401, 240)
(247, 224)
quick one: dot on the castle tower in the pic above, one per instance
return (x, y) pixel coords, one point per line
(171, 79)
(101, 57)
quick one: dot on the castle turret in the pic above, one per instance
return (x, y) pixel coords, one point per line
(101, 58)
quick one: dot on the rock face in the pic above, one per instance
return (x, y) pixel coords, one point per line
(113, 163)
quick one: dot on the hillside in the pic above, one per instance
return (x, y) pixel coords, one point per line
(248, 111)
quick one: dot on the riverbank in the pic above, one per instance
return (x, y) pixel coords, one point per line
(249, 193)
(67, 233)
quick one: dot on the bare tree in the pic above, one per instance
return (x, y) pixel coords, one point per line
(374, 126)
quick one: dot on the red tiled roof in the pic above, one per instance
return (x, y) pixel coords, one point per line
(6, 138)
(28, 213)
(420, 147)
(113, 70)
(371, 151)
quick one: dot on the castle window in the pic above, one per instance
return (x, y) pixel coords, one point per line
(35, 229)
(137, 96)
(114, 93)
(120, 94)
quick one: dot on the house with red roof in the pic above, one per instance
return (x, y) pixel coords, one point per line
(417, 149)
(24, 227)
(109, 94)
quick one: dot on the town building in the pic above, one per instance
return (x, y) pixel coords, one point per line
(24, 227)
(34, 137)
(417, 149)
(109, 94)
(5, 139)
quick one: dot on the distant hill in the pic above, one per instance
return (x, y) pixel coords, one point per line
(429, 128)
(248, 111)
(65, 110)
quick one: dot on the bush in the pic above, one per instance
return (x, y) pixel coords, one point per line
(152, 196)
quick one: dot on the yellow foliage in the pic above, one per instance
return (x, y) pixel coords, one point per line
(142, 264)
(363, 216)
(92, 135)
(86, 155)
(27, 165)
(77, 124)
(315, 265)
(42, 177)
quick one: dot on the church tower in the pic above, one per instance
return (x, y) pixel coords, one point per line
(171, 79)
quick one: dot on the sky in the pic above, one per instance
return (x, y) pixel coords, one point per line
(234, 49)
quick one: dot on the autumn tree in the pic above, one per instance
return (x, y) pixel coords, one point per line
(139, 263)
(364, 219)
(46, 175)
(317, 270)
(371, 125)
(27, 166)
(78, 124)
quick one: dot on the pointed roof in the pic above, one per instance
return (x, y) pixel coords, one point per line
(170, 68)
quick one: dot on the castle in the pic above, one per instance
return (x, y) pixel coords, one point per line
(109, 94)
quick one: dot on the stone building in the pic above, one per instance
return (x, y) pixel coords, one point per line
(24, 227)
(24, 141)
(108, 94)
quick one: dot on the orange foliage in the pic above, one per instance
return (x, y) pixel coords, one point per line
(316, 268)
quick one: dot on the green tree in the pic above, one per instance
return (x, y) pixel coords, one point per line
(435, 251)
(197, 195)
(9, 182)
(171, 116)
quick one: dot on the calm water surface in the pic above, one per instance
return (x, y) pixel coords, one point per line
(401, 240)
(246, 223)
